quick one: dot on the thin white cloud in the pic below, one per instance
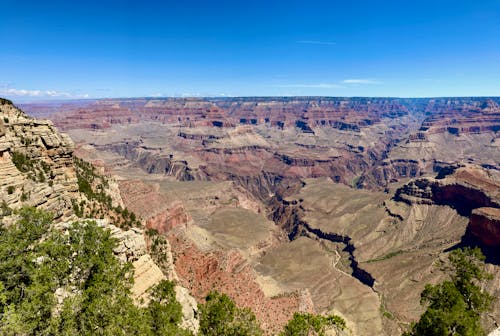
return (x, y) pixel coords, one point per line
(11, 92)
(313, 86)
(361, 81)
(316, 42)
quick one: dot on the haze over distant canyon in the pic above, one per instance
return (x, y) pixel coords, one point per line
(317, 204)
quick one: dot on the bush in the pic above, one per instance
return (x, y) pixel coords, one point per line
(454, 307)
(305, 324)
(36, 260)
(220, 316)
(22, 162)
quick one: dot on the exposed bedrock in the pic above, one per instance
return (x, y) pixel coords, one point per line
(36, 164)
(485, 224)
(166, 220)
(288, 216)
(388, 171)
(152, 161)
(472, 191)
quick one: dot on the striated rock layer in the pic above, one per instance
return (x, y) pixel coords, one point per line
(203, 172)
(37, 169)
(473, 191)
(47, 177)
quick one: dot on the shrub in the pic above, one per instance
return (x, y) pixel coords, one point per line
(304, 324)
(454, 307)
(220, 316)
(22, 162)
(36, 260)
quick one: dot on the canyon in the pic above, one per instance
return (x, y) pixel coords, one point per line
(316, 204)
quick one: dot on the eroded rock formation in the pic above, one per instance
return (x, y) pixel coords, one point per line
(37, 169)
(205, 173)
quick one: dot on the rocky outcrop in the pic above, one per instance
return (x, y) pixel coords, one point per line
(472, 191)
(458, 117)
(37, 169)
(202, 269)
(152, 161)
(485, 224)
(175, 216)
(36, 164)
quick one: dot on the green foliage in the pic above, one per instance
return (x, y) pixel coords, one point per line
(24, 196)
(220, 316)
(36, 261)
(26, 279)
(26, 141)
(165, 311)
(93, 185)
(385, 257)
(305, 324)
(41, 176)
(36, 169)
(454, 307)
(87, 178)
(5, 209)
(22, 162)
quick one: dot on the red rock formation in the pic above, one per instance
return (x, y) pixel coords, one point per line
(458, 116)
(367, 167)
(166, 220)
(342, 113)
(229, 273)
(485, 225)
(142, 199)
(471, 190)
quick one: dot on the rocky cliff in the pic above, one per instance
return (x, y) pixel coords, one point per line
(363, 142)
(37, 168)
(36, 163)
(203, 172)
(471, 190)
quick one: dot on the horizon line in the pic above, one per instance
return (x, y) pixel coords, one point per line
(237, 97)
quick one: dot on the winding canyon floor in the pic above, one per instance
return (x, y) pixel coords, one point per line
(222, 238)
(273, 216)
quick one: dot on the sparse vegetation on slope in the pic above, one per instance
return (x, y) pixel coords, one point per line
(72, 284)
(52, 283)
(220, 316)
(455, 306)
(94, 185)
(37, 170)
(305, 324)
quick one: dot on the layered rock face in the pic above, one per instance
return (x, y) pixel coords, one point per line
(457, 116)
(473, 191)
(303, 112)
(365, 142)
(36, 163)
(485, 224)
(37, 169)
(208, 174)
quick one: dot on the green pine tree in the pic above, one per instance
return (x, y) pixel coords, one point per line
(454, 307)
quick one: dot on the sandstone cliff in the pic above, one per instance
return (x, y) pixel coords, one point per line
(471, 190)
(37, 168)
(36, 163)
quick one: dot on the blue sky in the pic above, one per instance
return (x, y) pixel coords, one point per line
(76, 49)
